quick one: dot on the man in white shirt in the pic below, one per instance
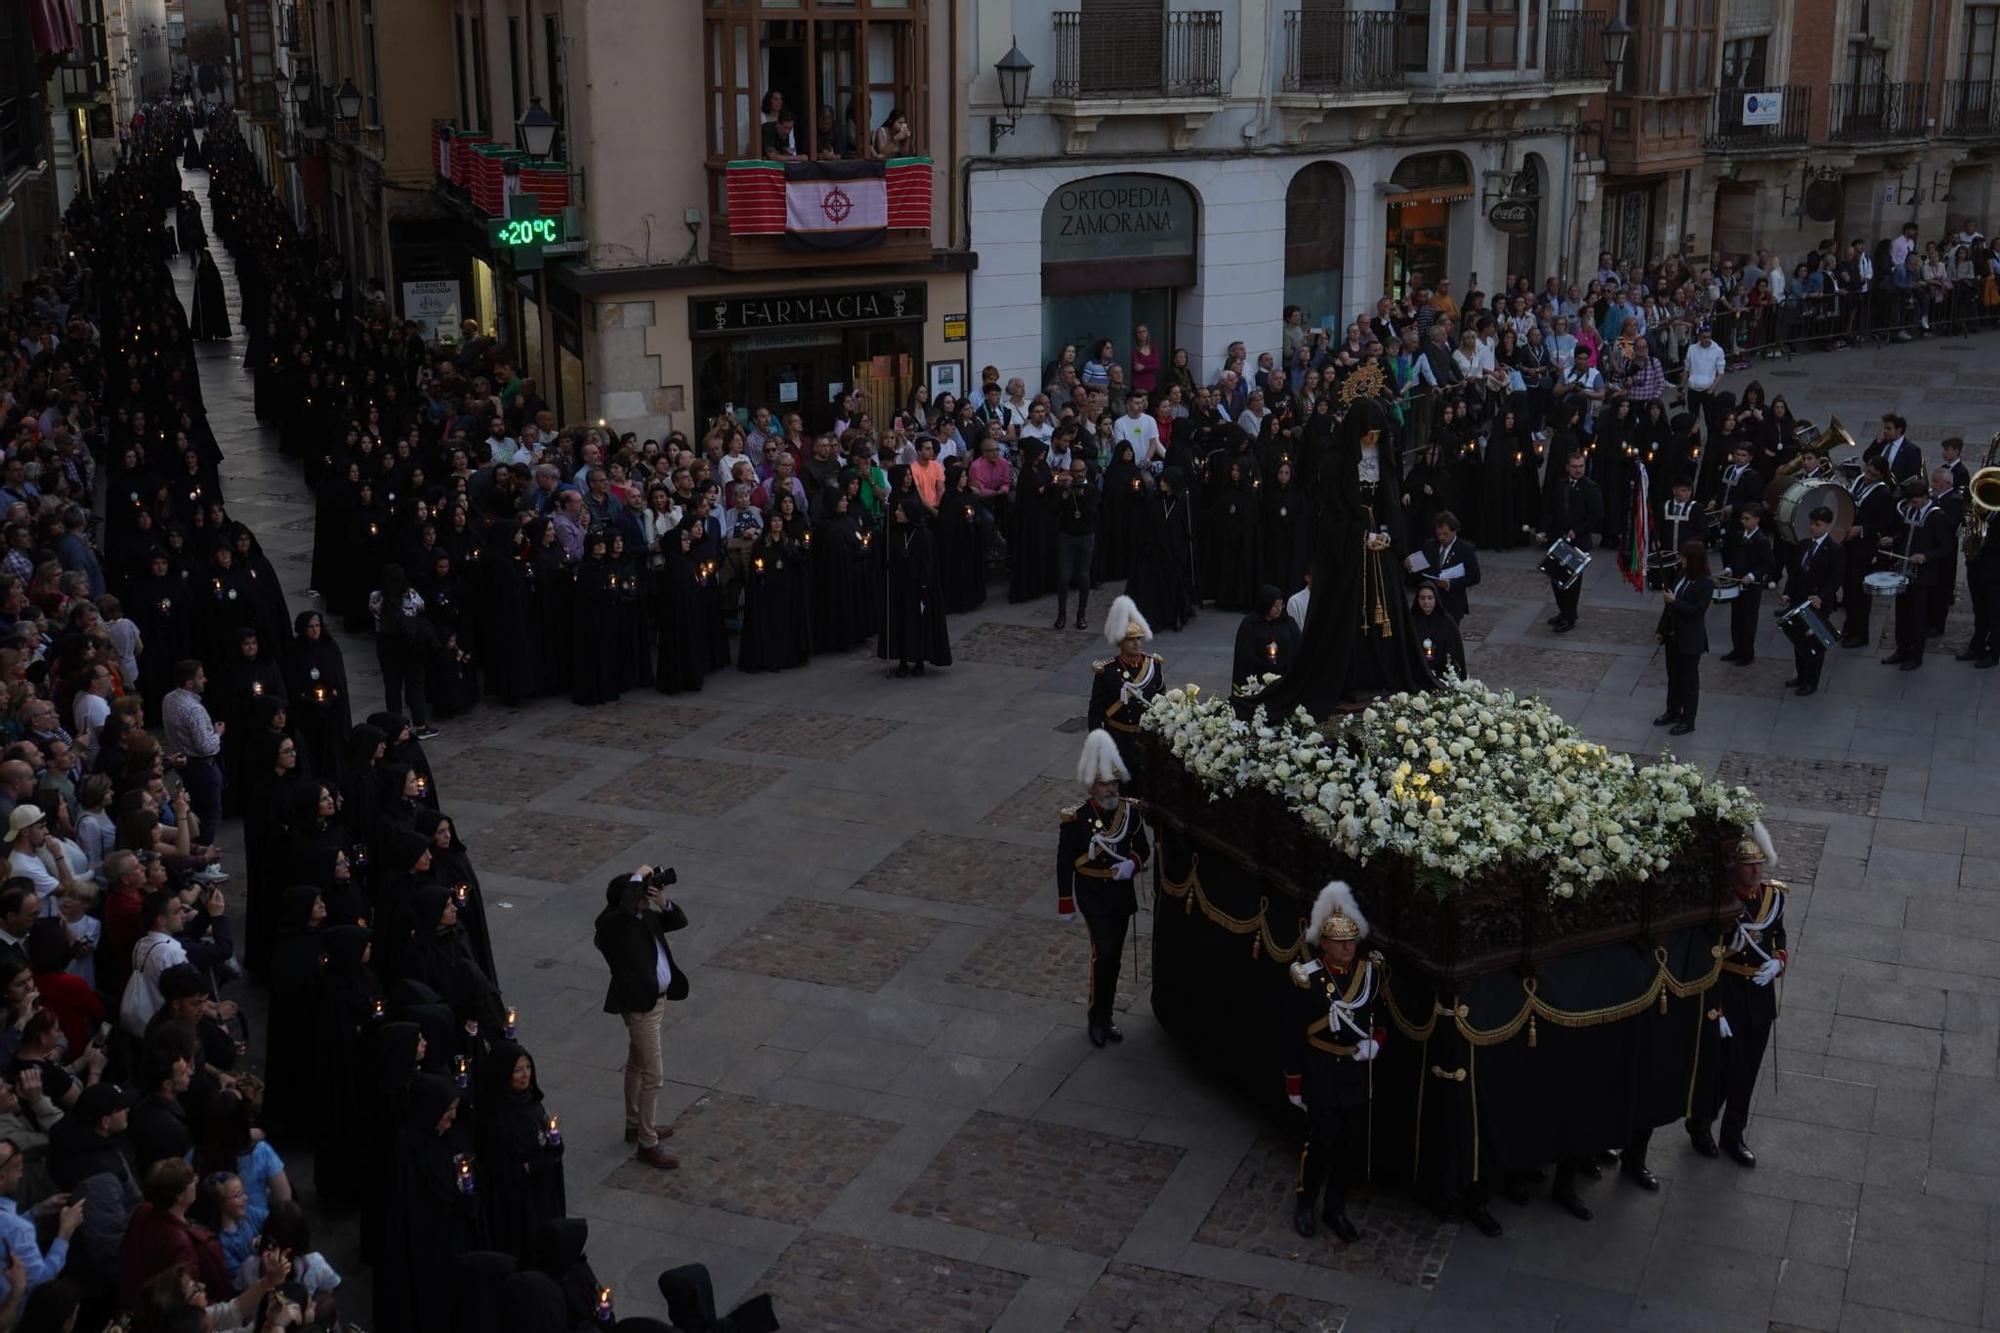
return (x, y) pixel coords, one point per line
(27, 834)
(500, 446)
(1138, 429)
(156, 951)
(1037, 426)
(1901, 246)
(1705, 363)
(1251, 418)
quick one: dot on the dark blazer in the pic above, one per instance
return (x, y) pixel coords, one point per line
(1684, 621)
(1464, 553)
(1909, 461)
(1746, 489)
(626, 940)
(1985, 567)
(1749, 558)
(1577, 508)
(1932, 539)
(1809, 575)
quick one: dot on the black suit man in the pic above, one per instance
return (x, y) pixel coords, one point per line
(1747, 554)
(1683, 631)
(1812, 575)
(1927, 536)
(631, 934)
(1575, 512)
(1982, 581)
(1902, 459)
(1740, 483)
(1451, 565)
(1875, 517)
(1944, 588)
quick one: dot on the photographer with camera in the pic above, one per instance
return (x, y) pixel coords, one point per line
(631, 933)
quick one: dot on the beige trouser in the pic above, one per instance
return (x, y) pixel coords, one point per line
(645, 1071)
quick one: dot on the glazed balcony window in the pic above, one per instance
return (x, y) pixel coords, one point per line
(815, 79)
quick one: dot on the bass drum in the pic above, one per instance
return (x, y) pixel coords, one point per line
(1792, 513)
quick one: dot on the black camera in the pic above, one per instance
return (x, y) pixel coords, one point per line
(662, 878)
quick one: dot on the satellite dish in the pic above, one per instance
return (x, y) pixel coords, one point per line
(1823, 200)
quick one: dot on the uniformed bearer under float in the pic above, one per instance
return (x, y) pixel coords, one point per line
(1100, 852)
(1330, 1038)
(1125, 684)
(1743, 1003)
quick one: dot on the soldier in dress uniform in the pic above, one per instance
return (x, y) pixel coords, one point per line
(1330, 1036)
(1743, 1005)
(1124, 685)
(1100, 852)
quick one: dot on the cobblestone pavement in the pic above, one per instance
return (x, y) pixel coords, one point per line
(890, 1118)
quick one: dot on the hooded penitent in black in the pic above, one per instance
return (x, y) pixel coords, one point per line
(524, 1170)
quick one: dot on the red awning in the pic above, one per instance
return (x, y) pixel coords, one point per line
(54, 28)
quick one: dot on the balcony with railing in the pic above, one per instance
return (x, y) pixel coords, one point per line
(1867, 112)
(1576, 47)
(1346, 51)
(1972, 109)
(1098, 59)
(1754, 120)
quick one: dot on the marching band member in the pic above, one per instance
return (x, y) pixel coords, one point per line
(1876, 521)
(1330, 1036)
(1747, 557)
(1575, 512)
(1813, 575)
(1683, 630)
(1927, 537)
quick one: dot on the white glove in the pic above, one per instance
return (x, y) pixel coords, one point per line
(1767, 973)
(1124, 869)
(1366, 1048)
(1299, 1102)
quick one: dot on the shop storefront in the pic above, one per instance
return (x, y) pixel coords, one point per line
(800, 351)
(1428, 189)
(1117, 253)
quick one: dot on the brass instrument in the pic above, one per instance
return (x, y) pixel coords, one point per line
(1982, 499)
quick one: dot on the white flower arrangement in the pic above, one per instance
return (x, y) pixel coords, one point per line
(1460, 782)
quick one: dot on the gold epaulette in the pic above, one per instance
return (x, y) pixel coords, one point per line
(1157, 658)
(1069, 812)
(1375, 958)
(1777, 884)
(1098, 667)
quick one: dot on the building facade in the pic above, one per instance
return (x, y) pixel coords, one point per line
(1741, 125)
(679, 289)
(1198, 170)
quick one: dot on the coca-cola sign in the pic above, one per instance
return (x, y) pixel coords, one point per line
(1516, 217)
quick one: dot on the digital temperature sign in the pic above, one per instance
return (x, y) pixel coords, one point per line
(524, 233)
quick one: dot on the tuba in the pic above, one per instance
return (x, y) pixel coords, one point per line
(1982, 499)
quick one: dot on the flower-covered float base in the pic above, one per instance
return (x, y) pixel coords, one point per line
(1548, 912)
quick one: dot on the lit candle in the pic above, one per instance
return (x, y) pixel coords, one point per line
(1271, 650)
(458, 1070)
(459, 892)
(319, 694)
(423, 784)
(256, 687)
(510, 1026)
(378, 1010)
(465, 1181)
(760, 564)
(604, 1305)
(552, 1132)
(1429, 653)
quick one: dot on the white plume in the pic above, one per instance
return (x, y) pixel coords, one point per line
(1101, 761)
(1124, 612)
(1765, 845)
(1335, 897)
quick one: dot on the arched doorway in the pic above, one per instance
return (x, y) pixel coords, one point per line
(1116, 252)
(1316, 242)
(1419, 233)
(1524, 248)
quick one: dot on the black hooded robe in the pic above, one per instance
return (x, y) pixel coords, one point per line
(208, 320)
(349, 1012)
(913, 624)
(298, 961)
(523, 1171)
(1162, 583)
(430, 1216)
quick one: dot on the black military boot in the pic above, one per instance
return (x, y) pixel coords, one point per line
(1302, 1216)
(1082, 611)
(1062, 608)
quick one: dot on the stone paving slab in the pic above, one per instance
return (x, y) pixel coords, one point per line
(831, 944)
(1598, 624)
(1035, 1181)
(495, 775)
(972, 872)
(1133, 1297)
(1810, 784)
(1025, 645)
(1799, 847)
(1516, 667)
(1401, 1242)
(687, 786)
(554, 848)
(844, 1285)
(1048, 959)
(804, 735)
(632, 723)
(779, 1162)
(1038, 805)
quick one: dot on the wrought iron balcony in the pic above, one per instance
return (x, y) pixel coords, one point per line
(1097, 57)
(1972, 109)
(1874, 111)
(1348, 51)
(1576, 47)
(1741, 119)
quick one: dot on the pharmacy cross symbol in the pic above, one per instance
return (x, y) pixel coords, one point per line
(836, 205)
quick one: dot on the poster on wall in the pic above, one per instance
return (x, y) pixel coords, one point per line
(434, 306)
(947, 377)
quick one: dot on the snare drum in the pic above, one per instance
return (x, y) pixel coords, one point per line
(1727, 591)
(1663, 570)
(1564, 564)
(1807, 632)
(1886, 583)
